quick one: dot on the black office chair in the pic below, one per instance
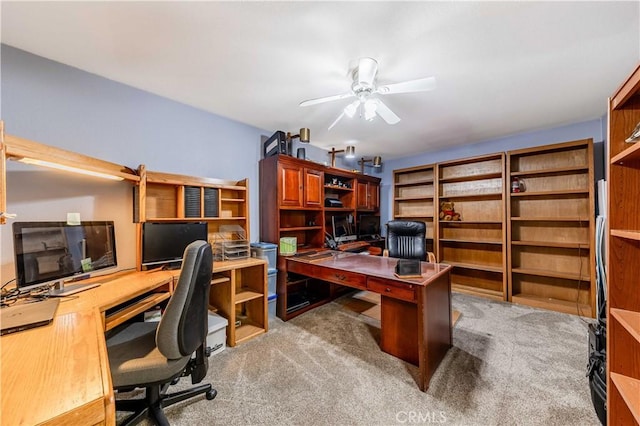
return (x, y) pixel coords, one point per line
(406, 240)
(153, 355)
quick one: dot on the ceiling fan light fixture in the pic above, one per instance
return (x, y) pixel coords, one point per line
(350, 110)
(377, 161)
(365, 86)
(370, 107)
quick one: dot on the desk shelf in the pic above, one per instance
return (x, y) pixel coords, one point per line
(126, 313)
(248, 331)
(245, 295)
(239, 291)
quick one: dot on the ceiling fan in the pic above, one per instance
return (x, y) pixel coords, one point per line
(365, 86)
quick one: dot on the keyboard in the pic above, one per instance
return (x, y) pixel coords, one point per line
(355, 246)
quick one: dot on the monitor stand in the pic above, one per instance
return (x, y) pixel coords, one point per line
(61, 290)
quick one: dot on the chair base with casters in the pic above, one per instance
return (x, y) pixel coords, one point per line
(151, 407)
(155, 399)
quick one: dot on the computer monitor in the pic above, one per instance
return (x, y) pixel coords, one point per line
(46, 252)
(163, 243)
(368, 227)
(343, 229)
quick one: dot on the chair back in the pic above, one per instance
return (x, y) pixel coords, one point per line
(184, 324)
(406, 239)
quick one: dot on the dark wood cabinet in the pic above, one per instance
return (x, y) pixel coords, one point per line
(292, 205)
(300, 186)
(367, 195)
(373, 192)
(313, 188)
(291, 193)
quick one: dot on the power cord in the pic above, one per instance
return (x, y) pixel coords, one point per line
(7, 283)
(9, 297)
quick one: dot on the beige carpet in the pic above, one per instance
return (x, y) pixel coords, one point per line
(510, 365)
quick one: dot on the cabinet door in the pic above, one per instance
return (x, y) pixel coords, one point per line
(313, 188)
(291, 186)
(362, 189)
(373, 192)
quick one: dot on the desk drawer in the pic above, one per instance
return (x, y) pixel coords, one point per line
(392, 289)
(336, 276)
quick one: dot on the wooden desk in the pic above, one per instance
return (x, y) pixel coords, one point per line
(416, 313)
(59, 373)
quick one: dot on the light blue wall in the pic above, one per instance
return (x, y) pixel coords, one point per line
(593, 129)
(62, 106)
(65, 107)
(58, 105)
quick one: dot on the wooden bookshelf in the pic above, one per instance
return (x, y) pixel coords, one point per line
(623, 257)
(551, 227)
(168, 197)
(239, 293)
(413, 198)
(476, 244)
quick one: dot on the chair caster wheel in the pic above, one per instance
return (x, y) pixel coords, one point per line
(211, 394)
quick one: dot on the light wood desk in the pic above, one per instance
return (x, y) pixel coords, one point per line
(59, 373)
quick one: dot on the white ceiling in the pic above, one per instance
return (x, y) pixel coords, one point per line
(501, 67)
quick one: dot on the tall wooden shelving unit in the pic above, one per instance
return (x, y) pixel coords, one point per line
(475, 245)
(413, 197)
(239, 283)
(551, 227)
(292, 204)
(623, 257)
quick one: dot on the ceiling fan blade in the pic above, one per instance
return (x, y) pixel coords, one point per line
(367, 70)
(326, 99)
(419, 85)
(387, 115)
(336, 121)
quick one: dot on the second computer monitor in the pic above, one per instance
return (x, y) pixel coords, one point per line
(343, 229)
(368, 227)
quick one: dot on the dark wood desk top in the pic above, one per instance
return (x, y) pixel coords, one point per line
(415, 312)
(375, 266)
